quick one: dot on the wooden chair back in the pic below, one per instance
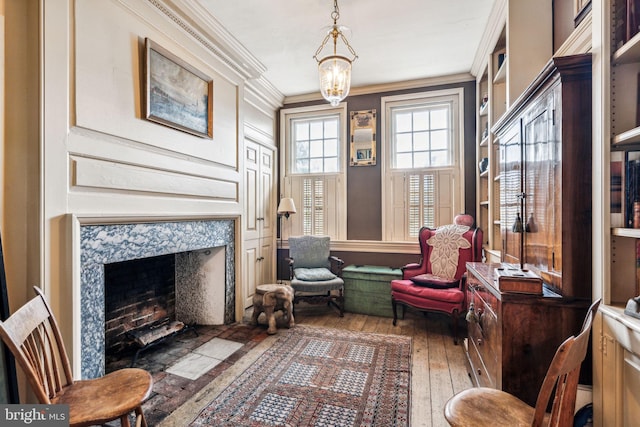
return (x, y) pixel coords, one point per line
(563, 375)
(33, 336)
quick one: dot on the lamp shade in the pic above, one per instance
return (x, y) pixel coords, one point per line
(286, 207)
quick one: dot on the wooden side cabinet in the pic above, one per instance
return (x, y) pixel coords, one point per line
(545, 176)
(514, 336)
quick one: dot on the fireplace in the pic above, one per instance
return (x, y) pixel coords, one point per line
(204, 254)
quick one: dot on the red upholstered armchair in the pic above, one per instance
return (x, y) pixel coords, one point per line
(438, 282)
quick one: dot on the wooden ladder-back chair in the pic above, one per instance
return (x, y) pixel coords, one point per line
(484, 406)
(32, 335)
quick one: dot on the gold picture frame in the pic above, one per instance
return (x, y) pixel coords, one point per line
(177, 94)
(363, 138)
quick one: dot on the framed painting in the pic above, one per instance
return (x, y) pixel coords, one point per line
(363, 138)
(177, 94)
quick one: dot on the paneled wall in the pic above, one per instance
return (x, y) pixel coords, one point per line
(79, 148)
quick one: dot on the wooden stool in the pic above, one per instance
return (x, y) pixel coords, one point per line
(269, 299)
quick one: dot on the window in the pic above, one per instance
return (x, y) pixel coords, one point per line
(313, 161)
(422, 164)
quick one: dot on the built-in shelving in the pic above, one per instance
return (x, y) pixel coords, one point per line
(501, 75)
(631, 136)
(626, 232)
(629, 52)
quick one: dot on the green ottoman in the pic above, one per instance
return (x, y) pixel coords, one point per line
(367, 289)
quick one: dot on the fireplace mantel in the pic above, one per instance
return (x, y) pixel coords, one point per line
(101, 240)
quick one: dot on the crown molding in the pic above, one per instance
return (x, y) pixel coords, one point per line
(196, 20)
(262, 89)
(387, 87)
(495, 24)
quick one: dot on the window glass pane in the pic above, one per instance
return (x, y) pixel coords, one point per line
(331, 164)
(421, 141)
(301, 131)
(404, 161)
(302, 149)
(403, 143)
(439, 158)
(403, 122)
(316, 148)
(420, 120)
(421, 159)
(302, 165)
(440, 118)
(331, 147)
(439, 140)
(315, 165)
(331, 129)
(316, 129)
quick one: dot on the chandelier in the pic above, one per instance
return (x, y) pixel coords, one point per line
(335, 70)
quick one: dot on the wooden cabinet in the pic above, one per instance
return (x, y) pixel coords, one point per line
(545, 176)
(515, 336)
(259, 237)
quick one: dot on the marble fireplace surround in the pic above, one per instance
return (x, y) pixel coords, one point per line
(113, 241)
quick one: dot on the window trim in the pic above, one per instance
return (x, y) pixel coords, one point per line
(455, 95)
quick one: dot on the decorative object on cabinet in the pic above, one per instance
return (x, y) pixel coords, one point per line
(33, 336)
(177, 94)
(484, 163)
(548, 129)
(335, 70)
(363, 138)
(515, 335)
(437, 283)
(316, 275)
(484, 406)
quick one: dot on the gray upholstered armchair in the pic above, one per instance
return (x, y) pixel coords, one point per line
(315, 274)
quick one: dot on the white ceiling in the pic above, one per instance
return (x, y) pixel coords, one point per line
(395, 41)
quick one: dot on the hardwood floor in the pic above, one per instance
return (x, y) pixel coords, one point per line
(438, 366)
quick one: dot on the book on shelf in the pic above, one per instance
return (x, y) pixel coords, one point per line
(617, 176)
(631, 185)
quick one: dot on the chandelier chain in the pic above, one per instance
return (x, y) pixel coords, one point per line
(335, 15)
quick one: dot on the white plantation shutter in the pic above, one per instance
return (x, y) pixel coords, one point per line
(318, 200)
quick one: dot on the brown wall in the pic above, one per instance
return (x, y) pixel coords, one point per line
(364, 183)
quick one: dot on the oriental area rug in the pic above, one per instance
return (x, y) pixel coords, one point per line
(315, 376)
